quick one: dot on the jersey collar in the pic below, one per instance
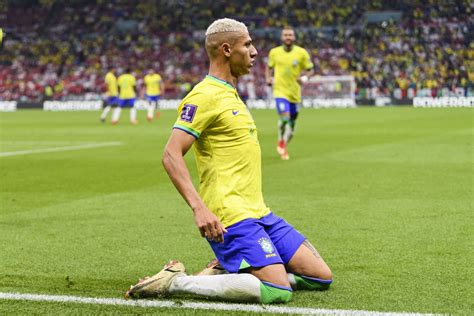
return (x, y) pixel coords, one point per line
(220, 81)
(288, 51)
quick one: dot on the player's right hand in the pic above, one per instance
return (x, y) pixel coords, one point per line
(303, 79)
(209, 225)
(269, 81)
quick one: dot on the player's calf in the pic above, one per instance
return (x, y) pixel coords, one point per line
(212, 268)
(269, 292)
(275, 286)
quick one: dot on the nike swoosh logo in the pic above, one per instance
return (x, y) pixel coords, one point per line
(235, 112)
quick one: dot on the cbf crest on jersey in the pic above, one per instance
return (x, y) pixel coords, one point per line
(295, 63)
(188, 112)
(267, 247)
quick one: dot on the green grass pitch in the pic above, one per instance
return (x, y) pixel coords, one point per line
(385, 194)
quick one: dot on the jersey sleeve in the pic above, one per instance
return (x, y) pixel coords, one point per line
(195, 114)
(307, 63)
(271, 58)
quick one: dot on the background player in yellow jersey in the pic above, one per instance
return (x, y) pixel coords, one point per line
(127, 92)
(112, 93)
(2, 35)
(288, 67)
(264, 256)
(154, 88)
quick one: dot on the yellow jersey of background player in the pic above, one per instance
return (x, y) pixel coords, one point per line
(153, 83)
(287, 66)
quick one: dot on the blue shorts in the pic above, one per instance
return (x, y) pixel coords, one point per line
(127, 103)
(257, 243)
(112, 101)
(152, 98)
(285, 106)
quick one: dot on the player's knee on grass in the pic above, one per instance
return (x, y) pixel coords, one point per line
(317, 269)
(271, 293)
(312, 284)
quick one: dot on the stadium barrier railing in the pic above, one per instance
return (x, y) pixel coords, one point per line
(423, 102)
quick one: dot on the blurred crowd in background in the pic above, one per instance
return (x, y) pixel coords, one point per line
(62, 50)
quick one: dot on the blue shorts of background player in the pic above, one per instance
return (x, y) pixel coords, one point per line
(257, 243)
(127, 103)
(285, 106)
(152, 98)
(112, 101)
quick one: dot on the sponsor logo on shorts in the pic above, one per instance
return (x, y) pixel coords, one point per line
(267, 247)
(188, 112)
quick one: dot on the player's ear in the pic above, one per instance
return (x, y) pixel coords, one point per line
(225, 47)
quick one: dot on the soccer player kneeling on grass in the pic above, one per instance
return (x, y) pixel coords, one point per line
(261, 257)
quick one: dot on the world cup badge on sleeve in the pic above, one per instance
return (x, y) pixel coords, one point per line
(188, 112)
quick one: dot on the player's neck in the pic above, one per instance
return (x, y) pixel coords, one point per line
(287, 48)
(222, 73)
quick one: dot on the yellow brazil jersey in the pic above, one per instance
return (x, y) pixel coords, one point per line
(226, 149)
(127, 83)
(111, 82)
(287, 69)
(152, 82)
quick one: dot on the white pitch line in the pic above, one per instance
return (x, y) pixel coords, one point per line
(56, 149)
(196, 305)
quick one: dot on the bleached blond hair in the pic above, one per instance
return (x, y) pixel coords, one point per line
(226, 25)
